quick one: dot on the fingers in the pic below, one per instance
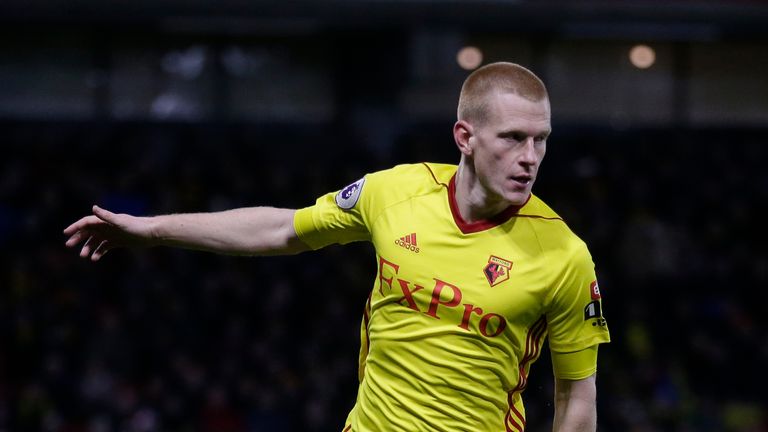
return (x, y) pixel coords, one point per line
(81, 229)
(87, 247)
(95, 253)
(100, 231)
(105, 215)
(76, 238)
(88, 220)
(99, 216)
(82, 223)
(86, 227)
(100, 251)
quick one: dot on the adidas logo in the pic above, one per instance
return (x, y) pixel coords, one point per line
(408, 242)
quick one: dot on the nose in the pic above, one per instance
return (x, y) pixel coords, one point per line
(529, 157)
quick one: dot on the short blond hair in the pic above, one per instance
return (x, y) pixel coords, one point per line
(497, 77)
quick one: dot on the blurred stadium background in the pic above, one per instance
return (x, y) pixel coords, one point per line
(660, 112)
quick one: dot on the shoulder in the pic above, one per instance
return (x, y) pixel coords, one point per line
(552, 231)
(408, 180)
(426, 172)
(379, 190)
(536, 208)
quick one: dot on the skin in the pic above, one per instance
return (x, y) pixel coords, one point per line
(575, 408)
(245, 231)
(509, 145)
(500, 160)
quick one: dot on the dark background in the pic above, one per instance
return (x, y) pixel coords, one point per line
(170, 106)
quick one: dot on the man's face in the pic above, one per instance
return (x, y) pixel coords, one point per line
(507, 149)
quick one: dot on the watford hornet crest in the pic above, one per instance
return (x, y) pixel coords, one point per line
(497, 270)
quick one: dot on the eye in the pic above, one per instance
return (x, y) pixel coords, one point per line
(514, 136)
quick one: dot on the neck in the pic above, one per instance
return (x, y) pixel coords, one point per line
(472, 199)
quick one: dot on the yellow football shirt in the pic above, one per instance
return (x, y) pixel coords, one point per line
(458, 311)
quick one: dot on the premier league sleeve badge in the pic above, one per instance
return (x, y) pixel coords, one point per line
(347, 197)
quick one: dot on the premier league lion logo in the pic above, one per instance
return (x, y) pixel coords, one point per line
(347, 197)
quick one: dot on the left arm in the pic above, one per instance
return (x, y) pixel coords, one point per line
(575, 405)
(576, 328)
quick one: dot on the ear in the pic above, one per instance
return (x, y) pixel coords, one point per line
(463, 134)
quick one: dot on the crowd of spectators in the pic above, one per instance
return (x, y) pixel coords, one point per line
(170, 340)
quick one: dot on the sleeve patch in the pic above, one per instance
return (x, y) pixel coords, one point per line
(594, 290)
(593, 310)
(347, 197)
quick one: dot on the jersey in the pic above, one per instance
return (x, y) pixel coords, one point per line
(458, 311)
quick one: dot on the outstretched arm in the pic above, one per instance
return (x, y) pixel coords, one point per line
(575, 406)
(245, 231)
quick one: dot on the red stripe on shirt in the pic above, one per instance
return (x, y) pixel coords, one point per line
(538, 217)
(532, 350)
(517, 413)
(512, 425)
(366, 320)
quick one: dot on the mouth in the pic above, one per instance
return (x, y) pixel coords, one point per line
(521, 179)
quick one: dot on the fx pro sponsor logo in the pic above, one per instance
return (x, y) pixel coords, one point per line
(442, 295)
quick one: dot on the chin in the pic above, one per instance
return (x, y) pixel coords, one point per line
(518, 198)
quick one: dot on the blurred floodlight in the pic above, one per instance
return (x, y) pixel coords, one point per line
(469, 57)
(187, 64)
(240, 62)
(642, 56)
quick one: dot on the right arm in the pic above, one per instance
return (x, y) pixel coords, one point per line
(244, 231)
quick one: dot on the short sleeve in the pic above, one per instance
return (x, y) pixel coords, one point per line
(337, 217)
(575, 365)
(575, 313)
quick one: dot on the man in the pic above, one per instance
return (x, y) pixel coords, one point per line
(473, 270)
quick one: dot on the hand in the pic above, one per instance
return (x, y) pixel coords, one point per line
(104, 231)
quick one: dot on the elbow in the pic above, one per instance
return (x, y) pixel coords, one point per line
(278, 239)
